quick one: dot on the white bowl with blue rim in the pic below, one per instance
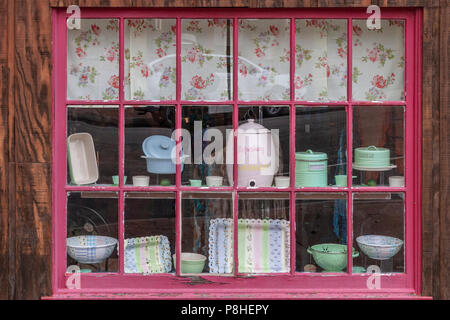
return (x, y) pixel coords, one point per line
(160, 155)
(379, 247)
(90, 249)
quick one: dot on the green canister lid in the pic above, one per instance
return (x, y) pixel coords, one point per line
(310, 155)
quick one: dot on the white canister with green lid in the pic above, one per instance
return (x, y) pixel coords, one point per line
(311, 169)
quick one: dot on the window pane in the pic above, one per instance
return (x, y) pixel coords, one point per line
(207, 233)
(378, 146)
(92, 231)
(264, 67)
(206, 57)
(93, 60)
(321, 223)
(379, 61)
(320, 144)
(150, 61)
(378, 231)
(148, 131)
(206, 130)
(93, 139)
(264, 233)
(320, 60)
(263, 157)
(150, 232)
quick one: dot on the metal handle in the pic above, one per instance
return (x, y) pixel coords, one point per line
(371, 148)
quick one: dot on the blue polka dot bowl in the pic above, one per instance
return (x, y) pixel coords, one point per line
(90, 249)
(379, 247)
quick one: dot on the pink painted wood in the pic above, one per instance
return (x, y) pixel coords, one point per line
(407, 283)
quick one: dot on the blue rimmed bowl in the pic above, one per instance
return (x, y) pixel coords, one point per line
(379, 247)
(90, 249)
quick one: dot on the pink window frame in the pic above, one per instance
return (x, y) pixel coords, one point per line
(277, 285)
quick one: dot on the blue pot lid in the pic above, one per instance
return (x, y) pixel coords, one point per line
(159, 147)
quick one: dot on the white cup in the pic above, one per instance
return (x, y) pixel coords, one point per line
(214, 181)
(397, 181)
(282, 182)
(141, 181)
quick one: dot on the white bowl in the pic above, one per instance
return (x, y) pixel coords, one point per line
(282, 182)
(397, 181)
(214, 181)
(379, 247)
(141, 181)
(90, 249)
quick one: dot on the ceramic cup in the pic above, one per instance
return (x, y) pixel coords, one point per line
(341, 180)
(282, 182)
(115, 180)
(397, 181)
(214, 181)
(195, 183)
(141, 181)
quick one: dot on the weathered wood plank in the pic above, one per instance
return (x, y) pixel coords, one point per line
(444, 219)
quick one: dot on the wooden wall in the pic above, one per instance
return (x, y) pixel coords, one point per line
(25, 135)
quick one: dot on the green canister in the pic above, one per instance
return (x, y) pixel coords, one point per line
(311, 169)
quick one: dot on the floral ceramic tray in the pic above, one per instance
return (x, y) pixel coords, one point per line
(148, 255)
(263, 246)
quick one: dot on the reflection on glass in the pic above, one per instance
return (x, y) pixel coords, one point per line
(207, 237)
(264, 67)
(93, 138)
(323, 131)
(205, 145)
(92, 232)
(206, 57)
(378, 146)
(320, 60)
(264, 233)
(263, 156)
(379, 61)
(321, 220)
(150, 62)
(93, 60)
(149, 144)
(150, 236)
(378, 231)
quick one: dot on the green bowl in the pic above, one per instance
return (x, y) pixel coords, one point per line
(191, 262)
(331, 257)
(195, 183)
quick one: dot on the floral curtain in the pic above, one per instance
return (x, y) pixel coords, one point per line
(264, 60)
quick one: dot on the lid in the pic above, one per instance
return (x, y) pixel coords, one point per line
(159, 147)
(253, 127)
(372, 149)
(310, 155)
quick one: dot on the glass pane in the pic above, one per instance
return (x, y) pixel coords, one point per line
(148, 131)
(92, 144)
(92, 232)
(93, 60)
(320, 144)
(264, 233)
(206, 57)
(207, 238)
(205, 143)
(263, 157)
(150, 232)
(378, 232)
(320, 60)
(264, 67)
(321, 224)
(150, 59)
(378, 144)
(379, 61)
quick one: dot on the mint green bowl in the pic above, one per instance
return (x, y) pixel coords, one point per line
(331, 257)
(191, 262)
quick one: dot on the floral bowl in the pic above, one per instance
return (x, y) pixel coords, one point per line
(331, 257)
(90, 249)
(379, 247)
